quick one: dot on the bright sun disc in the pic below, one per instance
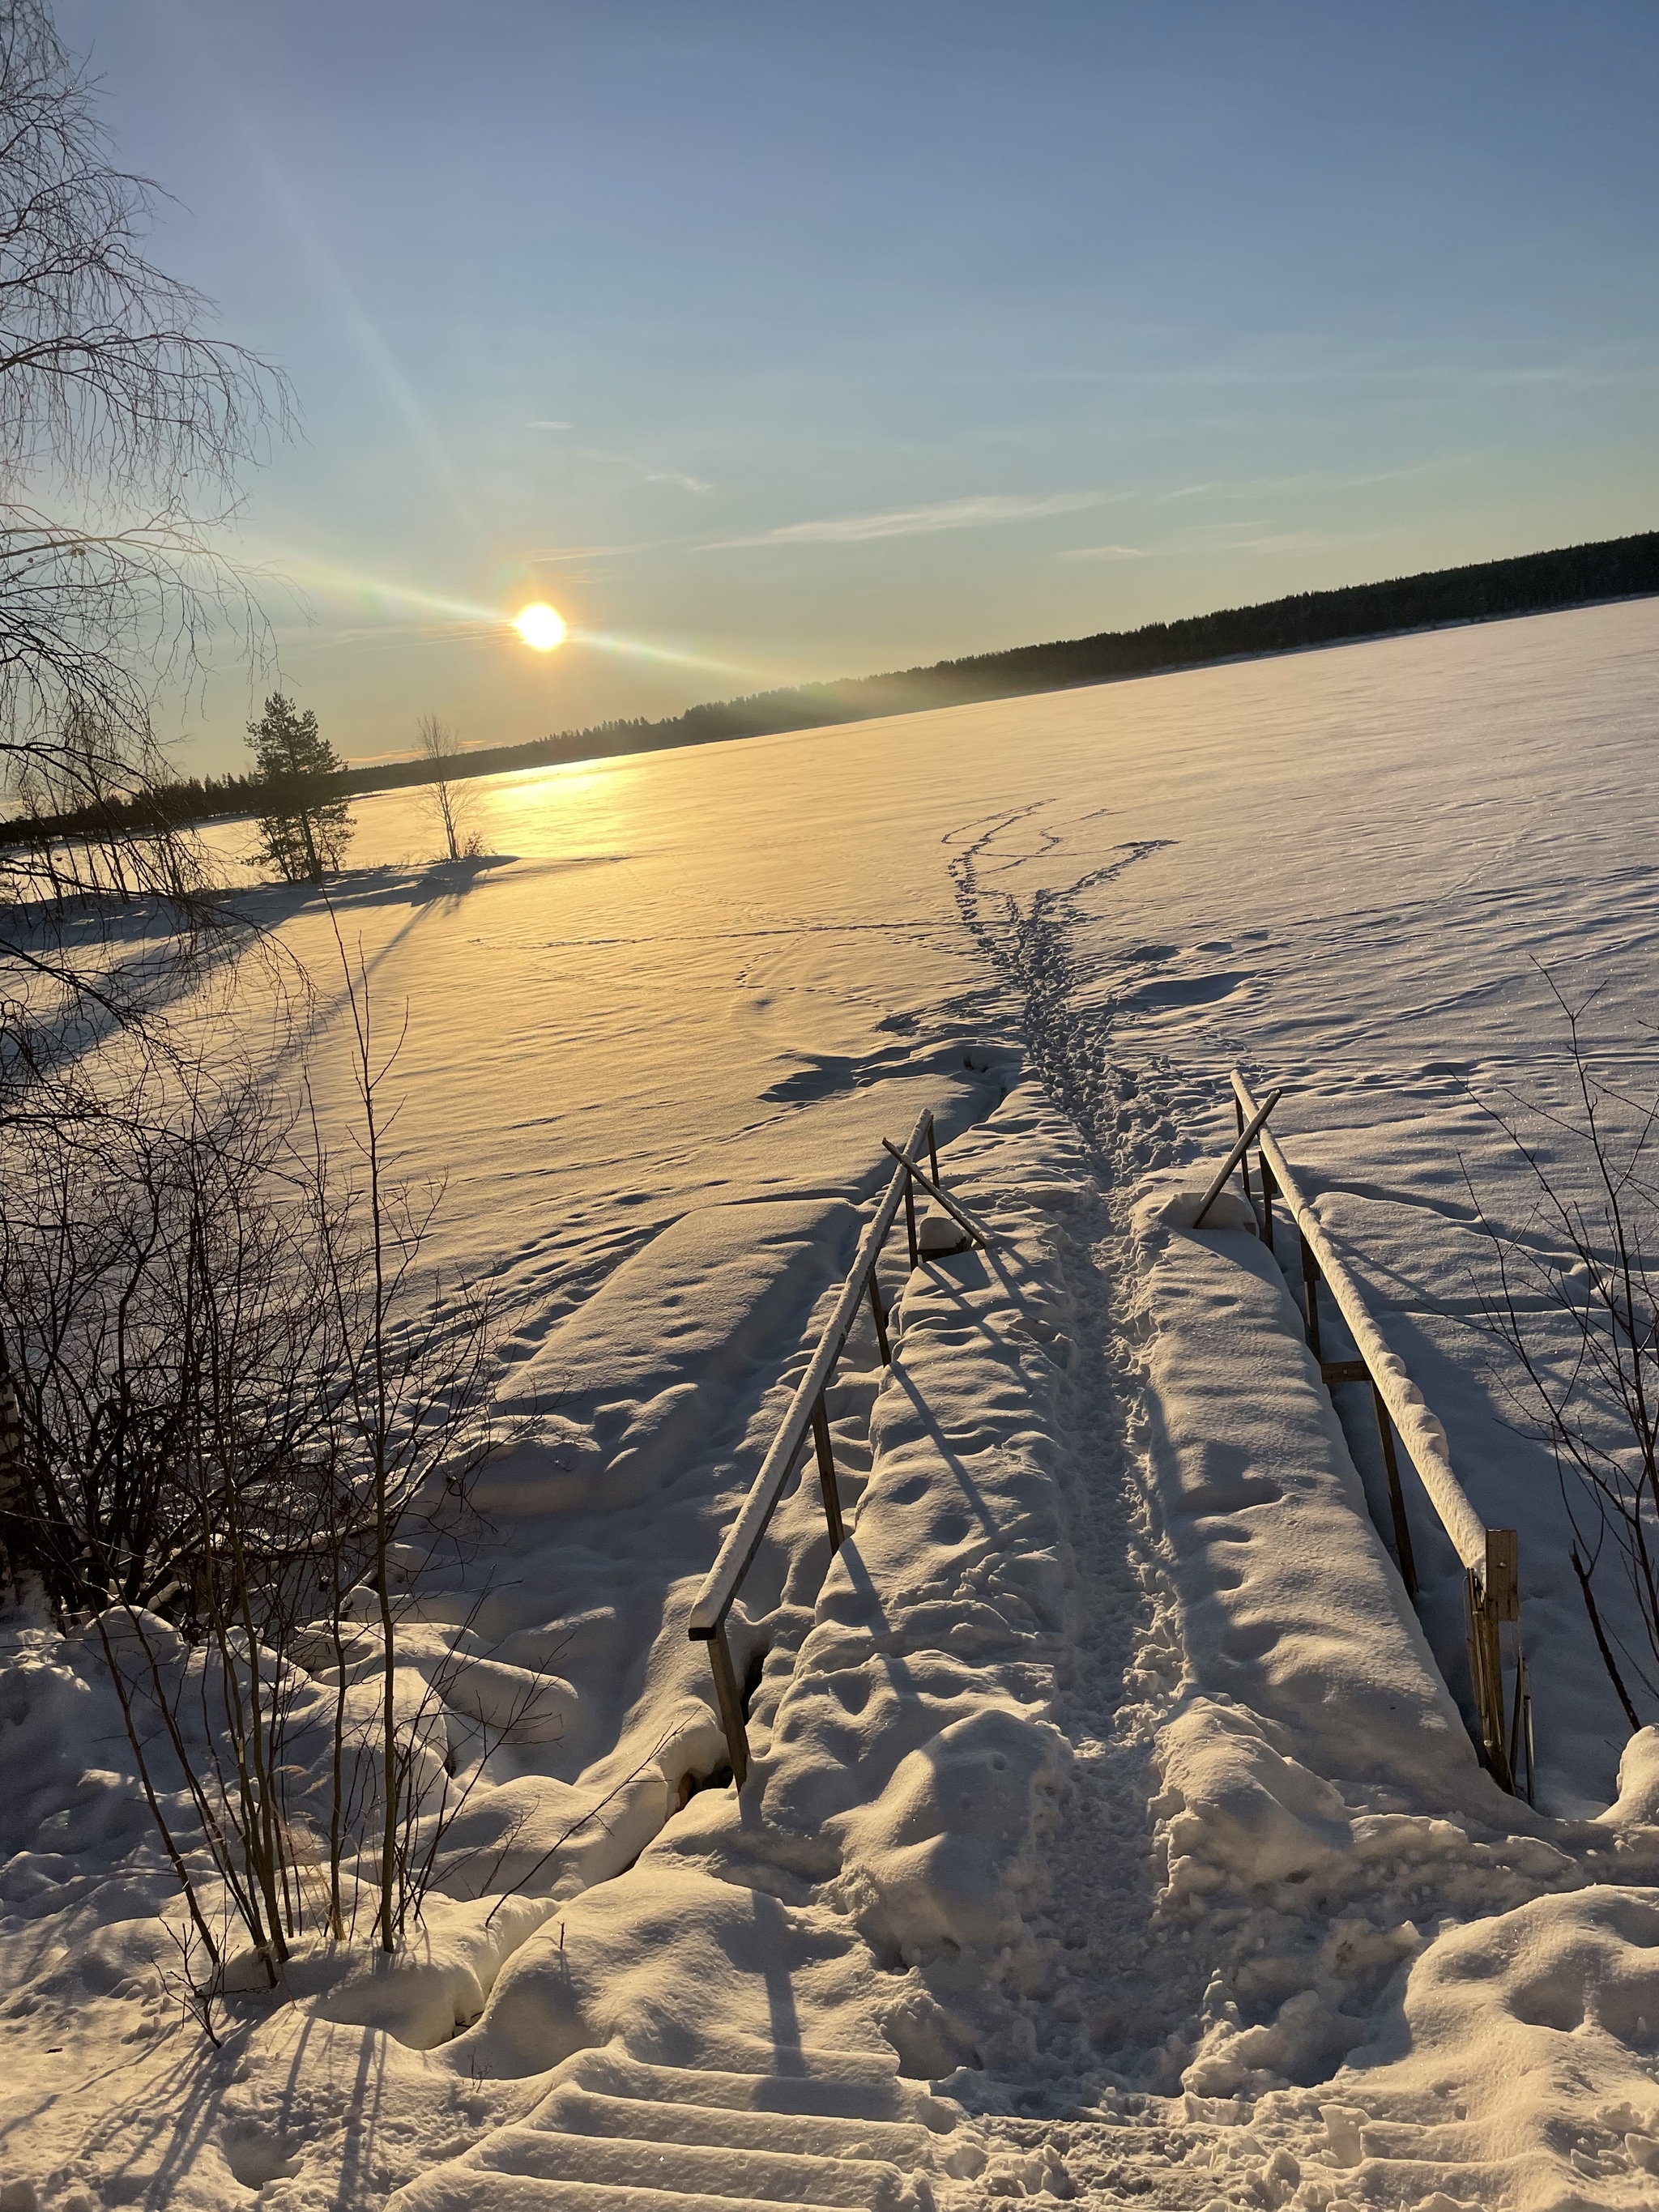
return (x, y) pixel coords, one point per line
(541, 627)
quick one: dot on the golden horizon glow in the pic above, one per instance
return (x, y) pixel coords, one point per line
(541, 627)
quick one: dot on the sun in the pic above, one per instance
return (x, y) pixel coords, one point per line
(541, 627)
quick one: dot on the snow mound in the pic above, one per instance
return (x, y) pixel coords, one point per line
(1545, 2021)
(659, 1957)
(1237, 1807)
(946, 1852)
(423, 1994)
(1171, 1201)
(1637, 1801)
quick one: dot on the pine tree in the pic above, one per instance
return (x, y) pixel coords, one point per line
(303, 832)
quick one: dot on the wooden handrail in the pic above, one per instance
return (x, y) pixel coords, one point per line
(1489, 1556)
(806, 1415)
(1419, 1432)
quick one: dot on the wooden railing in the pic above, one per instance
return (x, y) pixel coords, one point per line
(807, 1413)
(1489, 1556)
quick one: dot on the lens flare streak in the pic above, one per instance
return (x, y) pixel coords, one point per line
(401, 607)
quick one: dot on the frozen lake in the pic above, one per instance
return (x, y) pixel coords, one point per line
(697, 965)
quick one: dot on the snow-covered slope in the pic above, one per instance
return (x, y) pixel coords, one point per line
(1107, 1778)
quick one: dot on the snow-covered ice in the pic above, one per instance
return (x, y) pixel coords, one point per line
(1114, 1827)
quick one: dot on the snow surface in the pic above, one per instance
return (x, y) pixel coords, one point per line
(1106, 1780)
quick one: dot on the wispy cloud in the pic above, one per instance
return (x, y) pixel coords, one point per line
(641, 470)
(1313, 480)
(541, 423)
(983, 513)
(539, 554)
(1106, 553)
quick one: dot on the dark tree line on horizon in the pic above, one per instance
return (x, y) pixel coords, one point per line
(1533, 583)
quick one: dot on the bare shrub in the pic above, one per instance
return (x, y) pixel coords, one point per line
(242, 1387)
(1576, 1306)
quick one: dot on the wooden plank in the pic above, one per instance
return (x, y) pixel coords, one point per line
(744, 1537)
(1419, 1432)
(1502, 1574)
(1487, 1676)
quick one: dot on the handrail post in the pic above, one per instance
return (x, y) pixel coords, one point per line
(910, 1219)
(880, 1318)
(977, 1232)
(1310, 1287)
(729, 1699)
(1402, 1532)
(933, 1147)
(1268, 1186)
(1484, 1611)
(827, 1472)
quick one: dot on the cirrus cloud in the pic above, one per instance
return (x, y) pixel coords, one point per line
(985, 512)
(1105, 553)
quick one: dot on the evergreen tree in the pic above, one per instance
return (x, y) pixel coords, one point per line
(301, 830)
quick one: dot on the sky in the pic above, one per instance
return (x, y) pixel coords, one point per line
(771, 341)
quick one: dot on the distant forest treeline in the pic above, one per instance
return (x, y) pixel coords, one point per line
(1533, 583)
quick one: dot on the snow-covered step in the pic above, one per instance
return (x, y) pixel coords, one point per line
(733, 2053)
(610, 2074)
(468, 2188)
(618, 2133)
(582, 2112)
(683, 2169)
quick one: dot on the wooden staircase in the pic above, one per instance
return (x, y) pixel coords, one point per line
(615, 2134)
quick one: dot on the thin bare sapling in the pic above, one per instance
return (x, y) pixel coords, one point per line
(1574, 1299)
(238, 1386)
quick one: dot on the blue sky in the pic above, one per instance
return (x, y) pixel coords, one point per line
(773, 341)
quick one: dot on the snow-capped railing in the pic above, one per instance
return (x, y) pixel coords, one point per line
(1490, 1556)
(806, 1410)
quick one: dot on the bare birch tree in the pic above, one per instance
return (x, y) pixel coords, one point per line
(124, 424)
(450, 801)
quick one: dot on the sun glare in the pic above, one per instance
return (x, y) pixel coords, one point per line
(541, 627)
